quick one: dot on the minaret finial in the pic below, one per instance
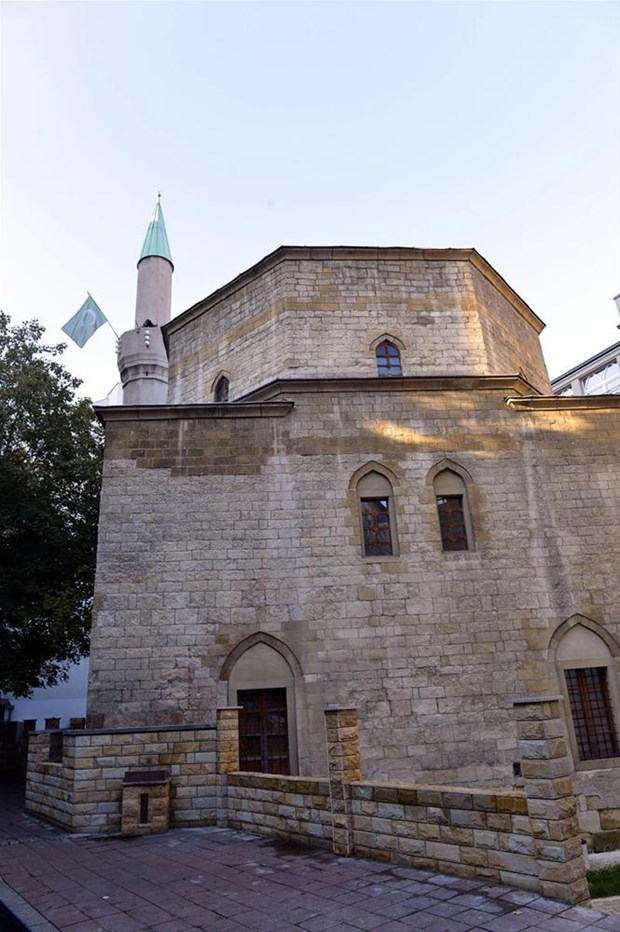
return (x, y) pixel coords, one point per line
(156, 239)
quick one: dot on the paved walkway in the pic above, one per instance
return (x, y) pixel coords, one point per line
(225, 881)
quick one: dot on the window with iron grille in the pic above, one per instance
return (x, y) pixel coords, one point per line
(593, 721)
(376, 525)
(452, 522)
(388, 359)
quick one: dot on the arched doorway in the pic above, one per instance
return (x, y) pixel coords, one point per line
(261, 673)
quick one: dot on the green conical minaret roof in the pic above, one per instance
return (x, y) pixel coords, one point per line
(156, 239)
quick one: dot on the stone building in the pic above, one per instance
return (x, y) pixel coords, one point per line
(358, 491)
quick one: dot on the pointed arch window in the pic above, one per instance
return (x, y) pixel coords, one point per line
(221, 390)
(591, 710)
(455, 524)
(377, 515)
(388, 359)
(586, 667)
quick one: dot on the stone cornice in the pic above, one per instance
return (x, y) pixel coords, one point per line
(109, 414)
(358, 253)
(565, 402)
(508, 384)
(486, 269)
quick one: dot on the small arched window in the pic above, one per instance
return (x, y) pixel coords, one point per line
(220, 393)
(453, 511)
(388, 359)
(377, 516)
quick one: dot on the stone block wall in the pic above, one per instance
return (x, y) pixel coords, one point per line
(547, 770)
(145, 808)
(599, 808)
(315, 313)
(295, 809)
(49, 786)
(214, 529)
(455, 830)
(83, 792)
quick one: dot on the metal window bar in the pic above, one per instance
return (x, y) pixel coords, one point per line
(376, 525)
(452, 522)
(388, 359)
(593, 720)
(263, 731)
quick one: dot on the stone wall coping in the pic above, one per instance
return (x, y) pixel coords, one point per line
(152, 729)
(514, 384)
(146, 777)
(354, 253)
(443, 788)
(110, 413)
(564, 402)
(534, 700)
(274, 777)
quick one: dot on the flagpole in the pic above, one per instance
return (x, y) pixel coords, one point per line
(106, 320)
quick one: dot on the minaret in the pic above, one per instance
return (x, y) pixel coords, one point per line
(142, 357)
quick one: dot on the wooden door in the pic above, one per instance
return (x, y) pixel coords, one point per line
(263, 731)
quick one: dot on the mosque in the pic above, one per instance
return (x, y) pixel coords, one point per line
(342, 479)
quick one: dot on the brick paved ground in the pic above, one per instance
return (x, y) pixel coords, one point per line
(224, 881)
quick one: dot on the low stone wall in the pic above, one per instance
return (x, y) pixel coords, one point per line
(295, 809)
(456, 830)
(83, 790)
(49, 787)
(529, 838)
(598, 795)
(526, 837)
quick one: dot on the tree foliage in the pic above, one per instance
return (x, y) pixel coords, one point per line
(50, 473)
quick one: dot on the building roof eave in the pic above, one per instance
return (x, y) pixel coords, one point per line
(361, 253)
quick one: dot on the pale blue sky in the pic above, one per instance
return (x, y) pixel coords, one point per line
(494, 125)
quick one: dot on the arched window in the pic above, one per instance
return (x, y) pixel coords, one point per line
(377, 515)
(587, 676)
(388, 359)
(220, 393)
(453, 511)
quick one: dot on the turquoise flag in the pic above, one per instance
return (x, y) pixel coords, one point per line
(83, 324)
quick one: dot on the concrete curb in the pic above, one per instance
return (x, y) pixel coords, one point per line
(610, 905)
(16, 915)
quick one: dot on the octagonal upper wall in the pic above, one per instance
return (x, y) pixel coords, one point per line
(307, 312)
